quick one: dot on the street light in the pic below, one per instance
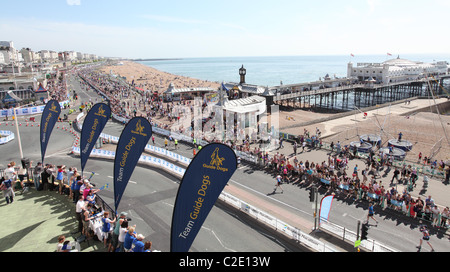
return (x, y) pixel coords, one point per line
(17, 130)
(18, 133)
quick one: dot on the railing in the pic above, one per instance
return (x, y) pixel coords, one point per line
(278, 225)
(351, 236)
(315, 92)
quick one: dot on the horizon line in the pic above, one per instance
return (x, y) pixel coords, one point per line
(395, 55)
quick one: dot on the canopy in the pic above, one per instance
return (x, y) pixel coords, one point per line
(41, 89)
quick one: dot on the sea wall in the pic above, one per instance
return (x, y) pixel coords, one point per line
(444, 108)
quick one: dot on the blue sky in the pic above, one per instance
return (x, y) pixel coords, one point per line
(200, 28)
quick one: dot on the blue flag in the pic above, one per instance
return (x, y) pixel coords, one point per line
(93, 125)
(226, 89)
(202, 183)
(325, 207)
(132, 142)
(49, 118)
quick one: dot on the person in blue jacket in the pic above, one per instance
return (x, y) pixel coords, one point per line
(129, 237)
(76, 188)
(138, 243)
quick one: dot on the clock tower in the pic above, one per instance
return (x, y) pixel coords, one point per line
(242, 73)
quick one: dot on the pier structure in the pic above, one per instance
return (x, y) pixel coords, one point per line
(346, 94)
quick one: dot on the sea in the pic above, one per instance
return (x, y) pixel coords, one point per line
(275, 70)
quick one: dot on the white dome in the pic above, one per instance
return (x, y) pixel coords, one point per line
(400, 62)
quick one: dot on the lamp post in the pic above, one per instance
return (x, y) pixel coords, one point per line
(18, 133)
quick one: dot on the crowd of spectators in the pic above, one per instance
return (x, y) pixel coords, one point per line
(361, 182)
(57, 88)
(126, 101)
(117, 236)
(83, 194)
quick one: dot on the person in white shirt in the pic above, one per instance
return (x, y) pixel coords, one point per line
(122, 232)
(79, 211)
(10, 173)
(435, 210)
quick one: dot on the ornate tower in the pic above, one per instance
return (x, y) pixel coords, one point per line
(242, 73)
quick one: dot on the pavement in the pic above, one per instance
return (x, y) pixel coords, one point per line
(49, 214)
(35, 219)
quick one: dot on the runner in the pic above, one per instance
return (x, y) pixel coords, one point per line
(426, 237)
(278, 184)
(370, 214)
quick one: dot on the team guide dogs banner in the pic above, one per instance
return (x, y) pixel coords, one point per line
(202, 183)
(50, 116)
(93, 125)
(132, 142)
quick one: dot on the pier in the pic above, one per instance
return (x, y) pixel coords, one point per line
(346, 94)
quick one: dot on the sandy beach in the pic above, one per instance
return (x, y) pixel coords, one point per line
(148, 78)
(422, 129)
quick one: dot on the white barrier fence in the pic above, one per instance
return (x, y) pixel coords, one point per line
(28, 110)
(348, 235)
(153, 149)
(278, 225)
(9, 136)
(144, 159)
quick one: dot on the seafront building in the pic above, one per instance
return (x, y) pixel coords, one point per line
(395, 70)
(24, 71)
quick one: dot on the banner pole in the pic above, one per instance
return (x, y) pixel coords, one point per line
(18, 134)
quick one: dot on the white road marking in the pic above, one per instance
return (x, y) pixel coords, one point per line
(266, 196)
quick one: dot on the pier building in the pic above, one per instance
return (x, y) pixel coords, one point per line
(395, 70)
(367, 85)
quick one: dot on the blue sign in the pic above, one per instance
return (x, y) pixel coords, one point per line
(50, 116)
(93, 125)
(325, 208)
(202, 184)
(132, 142)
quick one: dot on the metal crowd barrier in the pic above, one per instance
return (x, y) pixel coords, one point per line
(351, 236)
(278, 225)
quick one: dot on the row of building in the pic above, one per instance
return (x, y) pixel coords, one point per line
(9, 54)
(24, 71)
